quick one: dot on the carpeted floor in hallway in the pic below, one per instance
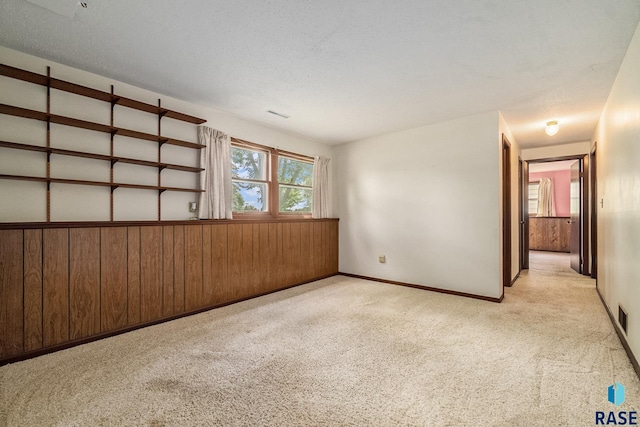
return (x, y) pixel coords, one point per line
(345, 351)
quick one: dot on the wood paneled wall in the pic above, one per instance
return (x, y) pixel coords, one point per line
(69, 284)
(549, 234)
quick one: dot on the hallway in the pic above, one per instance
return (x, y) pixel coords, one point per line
(572, 341)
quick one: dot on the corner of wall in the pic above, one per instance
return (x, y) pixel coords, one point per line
(516, 154)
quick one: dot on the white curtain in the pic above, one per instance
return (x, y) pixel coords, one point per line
(546, 205)
(215, 180)
(320, 207)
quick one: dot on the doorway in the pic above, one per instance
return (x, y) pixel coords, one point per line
(549, 223)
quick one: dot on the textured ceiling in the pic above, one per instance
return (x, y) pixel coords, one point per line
(345, 70)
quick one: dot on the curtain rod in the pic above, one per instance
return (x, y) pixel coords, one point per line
(276, 149)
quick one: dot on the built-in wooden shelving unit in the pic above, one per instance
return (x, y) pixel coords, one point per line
(53, 83)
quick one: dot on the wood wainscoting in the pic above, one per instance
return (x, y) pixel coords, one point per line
(65, 284)
(549, 233)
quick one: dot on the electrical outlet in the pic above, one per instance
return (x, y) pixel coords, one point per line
(193, 206)
(382, 259)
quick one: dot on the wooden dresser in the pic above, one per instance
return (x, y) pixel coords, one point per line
(549, 234)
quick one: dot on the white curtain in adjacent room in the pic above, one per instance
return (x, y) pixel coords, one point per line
(320, 206)
(215, 180)
(546, 205)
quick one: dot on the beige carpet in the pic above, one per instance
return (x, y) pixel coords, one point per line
(343, 351)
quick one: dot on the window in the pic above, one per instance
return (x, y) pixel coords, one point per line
(267, 181)
(249, 177)
(295, 178)
(533, 198)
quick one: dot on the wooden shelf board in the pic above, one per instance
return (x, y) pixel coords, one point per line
(77, 89)
(181, 167)
(24, 178)
(136, 161)
(23, 112)
(184, 117)
(97, 183)
(136, 186)
(83, 124)
(138, 105)
(186, 190)
(24, 75)
(180, 143)
(64, 152)
(137, 135)
(26, 147)
(80, 90)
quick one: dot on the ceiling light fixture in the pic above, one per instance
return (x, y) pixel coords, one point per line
(552, 128)
(284, 116)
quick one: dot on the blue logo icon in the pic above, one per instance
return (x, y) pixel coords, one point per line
(616, 394)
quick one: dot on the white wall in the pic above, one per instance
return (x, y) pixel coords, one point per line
(428, 198)
(553, 151)
(26, 201)
(617, 138)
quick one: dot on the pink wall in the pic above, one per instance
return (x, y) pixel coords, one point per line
(561, 189)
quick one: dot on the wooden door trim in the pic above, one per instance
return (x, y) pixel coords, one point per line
(520, 215)
(506, 212)
(593, 178)
(584, 210)
(523, 209)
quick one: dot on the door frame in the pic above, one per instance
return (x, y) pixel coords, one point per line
(576, 233)
(593, 178)
(506, 212)
(523, 211)
(585, 225)
(585, 235)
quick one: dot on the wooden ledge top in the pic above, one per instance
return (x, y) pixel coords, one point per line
(93, 224)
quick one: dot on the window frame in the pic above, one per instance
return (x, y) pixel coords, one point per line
(298, 158)
(272, 183)
(266, 180)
